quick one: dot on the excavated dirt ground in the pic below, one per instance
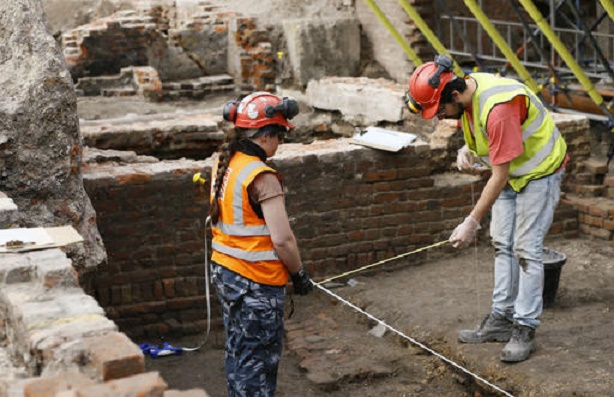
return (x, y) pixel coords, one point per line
(330, 352)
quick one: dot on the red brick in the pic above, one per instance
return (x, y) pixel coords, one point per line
(600, 209)
(595, 166)
(186, 393)
(114, 356)
(133, 179)
(48, 387)
(601, 233)
(381, 175)
(149, 384)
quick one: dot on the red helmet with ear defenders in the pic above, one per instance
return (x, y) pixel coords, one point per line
(426, 85)
(261, 109)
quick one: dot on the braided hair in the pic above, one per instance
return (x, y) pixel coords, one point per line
(227, 150)
(236, 139)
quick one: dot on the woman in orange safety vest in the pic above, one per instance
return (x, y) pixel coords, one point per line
(254, 249)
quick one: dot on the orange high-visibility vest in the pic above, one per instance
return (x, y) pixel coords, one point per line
(241, 239)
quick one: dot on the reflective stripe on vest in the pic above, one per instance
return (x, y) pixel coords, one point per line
(544, 146)
(250, 256)
(243, 230)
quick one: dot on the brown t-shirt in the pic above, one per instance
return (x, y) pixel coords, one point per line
(265, 186)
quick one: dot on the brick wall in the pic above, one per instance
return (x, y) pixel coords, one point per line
(254, 61)
(106, 46)
(129, 38)
(350, 206)
(151, 220)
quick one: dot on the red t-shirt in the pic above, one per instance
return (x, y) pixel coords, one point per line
(504, 130)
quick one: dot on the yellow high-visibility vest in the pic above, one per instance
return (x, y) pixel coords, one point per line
(544, 147)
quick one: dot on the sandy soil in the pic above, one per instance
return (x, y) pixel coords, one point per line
(429, 302)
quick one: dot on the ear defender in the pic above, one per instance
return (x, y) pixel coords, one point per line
(288, 108)
(413, 106)
(444, 64)
(230, 111)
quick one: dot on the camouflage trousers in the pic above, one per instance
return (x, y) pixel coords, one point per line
(253, 317)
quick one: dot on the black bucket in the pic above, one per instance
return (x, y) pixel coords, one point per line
(553, 262)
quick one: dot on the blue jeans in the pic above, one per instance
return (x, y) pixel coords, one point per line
(520, 222)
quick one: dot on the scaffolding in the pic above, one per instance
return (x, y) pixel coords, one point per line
(562, 49)
(575, 38)
(567, 51)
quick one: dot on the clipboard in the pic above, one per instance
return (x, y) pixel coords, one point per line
(383, 139)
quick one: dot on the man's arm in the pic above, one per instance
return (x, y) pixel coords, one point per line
(495, 185)
(465, 233)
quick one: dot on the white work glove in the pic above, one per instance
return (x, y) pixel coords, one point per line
(465, 160)
(465, 233)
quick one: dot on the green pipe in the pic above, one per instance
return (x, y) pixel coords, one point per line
(428, 33)
(502, 45)
(608, 5)
(539, 19)
(410, 53)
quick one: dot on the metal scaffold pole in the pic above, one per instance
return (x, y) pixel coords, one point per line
(556, 42)
(608, 6)
(394, 32)
(588, 34)
(428, 33)
(502, 45)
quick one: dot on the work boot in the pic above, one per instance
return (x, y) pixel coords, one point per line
(494, 328)
(521, 344)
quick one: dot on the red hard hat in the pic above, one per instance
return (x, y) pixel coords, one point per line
(261, 109)
(424, 95)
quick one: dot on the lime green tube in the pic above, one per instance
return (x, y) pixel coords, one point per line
(502, 45)
(539, 19)
(608, 6)
(382, 17)
(428, 33)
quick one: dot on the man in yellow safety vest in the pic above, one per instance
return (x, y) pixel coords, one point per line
(507, 128)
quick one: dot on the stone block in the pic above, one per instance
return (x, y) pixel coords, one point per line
(114, 356)
(360, 100)
(149, 384)
(323, 47)
(49, 387)
(15, 268)
(8, 212)
(54, 269)
(186, 393)
(596, 167)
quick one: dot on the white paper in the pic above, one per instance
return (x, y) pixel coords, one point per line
(34, 236)
(383, 139)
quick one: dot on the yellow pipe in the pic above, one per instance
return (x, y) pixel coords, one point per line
(539, 19)
(378, 13)
(502, 44)
(608, 5)
(428, 33)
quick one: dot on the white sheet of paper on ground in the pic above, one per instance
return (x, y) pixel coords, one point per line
(27, 239)
(383, 139)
